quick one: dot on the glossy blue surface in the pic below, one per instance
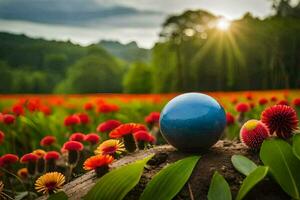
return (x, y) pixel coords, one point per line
(192, 122)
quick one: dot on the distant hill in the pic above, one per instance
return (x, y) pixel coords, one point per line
(129, 52)
(50, 61)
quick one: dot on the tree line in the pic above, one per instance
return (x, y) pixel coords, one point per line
(192, 54)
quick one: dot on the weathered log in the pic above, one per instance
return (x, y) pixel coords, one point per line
(218, 158)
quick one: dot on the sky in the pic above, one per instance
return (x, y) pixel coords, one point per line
(88, 21)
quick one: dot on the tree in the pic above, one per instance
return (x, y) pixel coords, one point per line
(138, 79)
(6, 78)
(92, 74)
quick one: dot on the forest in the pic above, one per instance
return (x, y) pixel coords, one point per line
(190, 55)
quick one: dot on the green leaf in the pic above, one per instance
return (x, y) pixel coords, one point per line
(296, 145)
(283, 164)
(251, 180)
(58, 196)
(117, 183)
(219, 188)
(169, 181)
(243, 164)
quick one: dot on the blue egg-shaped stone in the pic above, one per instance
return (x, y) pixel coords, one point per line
(192, 122)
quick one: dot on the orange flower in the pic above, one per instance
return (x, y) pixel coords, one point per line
(39, 152)
(23, 173)
(110, 147)
(126, 129)
(97, 161)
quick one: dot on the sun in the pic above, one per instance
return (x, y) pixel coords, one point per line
(223, 24)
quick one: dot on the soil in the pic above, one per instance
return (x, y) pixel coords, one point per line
(218, 158)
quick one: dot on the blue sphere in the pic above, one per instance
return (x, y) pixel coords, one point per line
(192, 122)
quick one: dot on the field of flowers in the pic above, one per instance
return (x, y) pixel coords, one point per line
(69, 135)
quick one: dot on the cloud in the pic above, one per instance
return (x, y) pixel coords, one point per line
(71, 12)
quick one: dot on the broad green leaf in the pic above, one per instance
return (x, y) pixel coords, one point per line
(169, 181)
(117, 183)
(284, 165)
(58, 196)
(251, 180)
(219, 188)
(296, 145)
(243, 164)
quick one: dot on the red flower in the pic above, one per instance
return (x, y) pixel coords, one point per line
(92, 138)
(273, 99)
(143, 136)
(33, 105)
(152, 118)
(48, 141)
(84, 118)
(30, 157)
(283, 102)
(280, 119)
(8, 159)
(242, 107)
(72, 146)
(122, 130)
(252, 105)
(126, 129)
(234, 101)
(52, 155)
(107, 108)
(138, 127)
(18, 109)
(45, 109)
(108, 126)
(152, 139)
(79, 137)
(1, 117)
(296, 102)
(249, 96)
(88, 106)
(263, 101)
(97, 161)
(71, 120)
(2, 136)
(8, 119)
(253, 133)
(229, 119)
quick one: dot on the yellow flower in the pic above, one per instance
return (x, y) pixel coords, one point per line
(50, 182)
(110, 147)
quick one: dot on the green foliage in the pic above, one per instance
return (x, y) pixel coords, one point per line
(6, 81)
(251, 180)
(296, 145)
(194, 56)
(117, 183)
(219, 188)
(169, 181)
(243, 164)
(40, 66)
(138, 79)
(91, 74)
(283, 165)
(58, 196)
